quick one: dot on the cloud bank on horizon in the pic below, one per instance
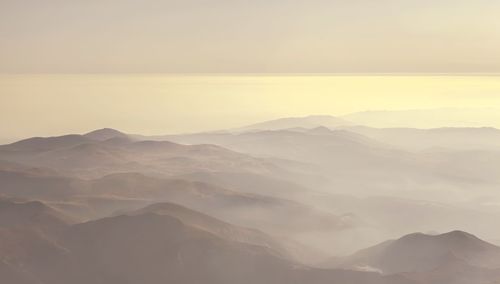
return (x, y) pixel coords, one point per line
(283, 36)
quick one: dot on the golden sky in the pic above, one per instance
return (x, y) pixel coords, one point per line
(44, 105)
(134, 37)
(277, 36)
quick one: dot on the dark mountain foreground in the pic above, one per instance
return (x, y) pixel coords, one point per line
(162, 243)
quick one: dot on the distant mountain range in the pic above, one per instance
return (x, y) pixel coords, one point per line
(416, 118)
(267, 203)
(312, 121)
(290, 164)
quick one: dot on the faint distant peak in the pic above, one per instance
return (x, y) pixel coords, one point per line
(452, 234)
(309, 122)
(105, 134)
(457, 239)
(320, 130)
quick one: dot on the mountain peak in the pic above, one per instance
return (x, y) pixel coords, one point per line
(423, 252)
(105, 134)
(309, 122)
(456, 235)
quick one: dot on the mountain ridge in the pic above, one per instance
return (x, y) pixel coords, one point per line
(418, 252)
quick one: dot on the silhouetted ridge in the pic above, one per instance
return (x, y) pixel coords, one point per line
(30, 214)
(105, 134)
(311, 121)
(47, 143)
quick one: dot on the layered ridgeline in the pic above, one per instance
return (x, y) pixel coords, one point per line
(171, 243)
(447, 171)
(90, 156)
(318, 169)
(97, 174)
(97, 198)
(261, 201)
(435, 164)
(162, 243)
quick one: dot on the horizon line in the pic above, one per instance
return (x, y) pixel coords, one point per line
(444, 74)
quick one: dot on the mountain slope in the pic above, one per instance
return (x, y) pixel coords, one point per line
(39, 144)
(97, 198)
(420, 253)
(151, 248)
(456, 271)
(343, 156)
(219, 228)
(173, 245)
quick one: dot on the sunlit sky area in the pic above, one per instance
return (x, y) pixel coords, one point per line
(116, 62)
(160, 104)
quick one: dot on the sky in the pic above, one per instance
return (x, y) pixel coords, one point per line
(241, 36)
(44, 105)
(173, 66)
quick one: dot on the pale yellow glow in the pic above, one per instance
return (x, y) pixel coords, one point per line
(160, 104)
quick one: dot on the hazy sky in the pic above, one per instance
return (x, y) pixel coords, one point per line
(41, 105)
(236, 36)
(249, 36)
